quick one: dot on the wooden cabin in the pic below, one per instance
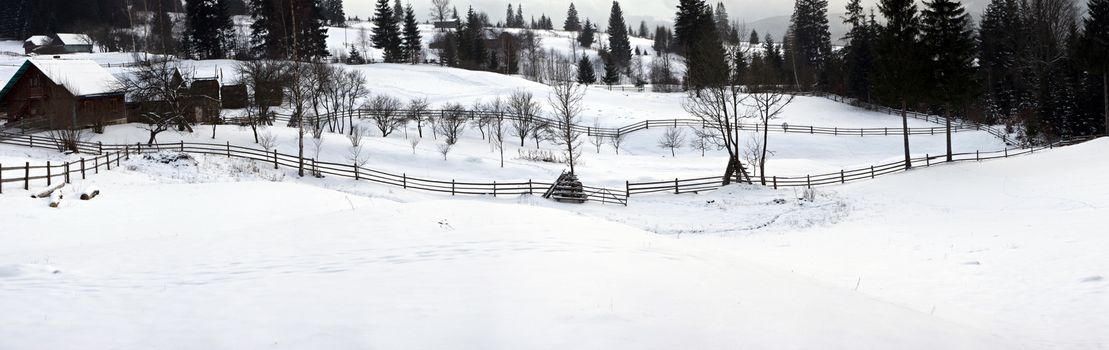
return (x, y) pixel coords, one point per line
(60, 43)
(68, 94)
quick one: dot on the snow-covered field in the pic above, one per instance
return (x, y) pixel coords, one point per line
(217, 254)
(210, 252)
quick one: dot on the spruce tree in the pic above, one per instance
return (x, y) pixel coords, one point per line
(859, 53)
(413, 41)
(1095, 48)
(208, 28)
(999, 46)
(618, 41)
(572, 23)
(509, 18)
(398, 11)
(948, 45)
(587, 36)
(720, 16)
(900, 63)
(386, 34)
(811, 39)
(586, 75)
(754, 39)
(612, 72)
(686, 24)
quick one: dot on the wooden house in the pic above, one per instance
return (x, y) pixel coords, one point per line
(66, 94)
(60, 43)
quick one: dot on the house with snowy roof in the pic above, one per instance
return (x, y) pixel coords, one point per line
(63, 94)
(59, 43)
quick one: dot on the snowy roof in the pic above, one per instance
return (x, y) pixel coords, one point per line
(74, 39)
(39, 40)
(79, 77)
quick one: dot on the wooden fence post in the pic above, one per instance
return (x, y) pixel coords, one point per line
(127, 151)
(494, 188)
(452, 187)
(675, 186)
(82, 168)
(228, 149)
(404, 181)
(775, 182)
(182, 145)
(531, 189)
(67, 172)
(99, 147)
(48, 173)
(27, 176)
(275, 158)
(808, 181)
(871, 171)
(96, 165)
(976, 157)
(842, 179)
(927, 160)
(1006, 152)
(1, 179)
(355, 166)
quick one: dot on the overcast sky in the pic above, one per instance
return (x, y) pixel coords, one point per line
(634, 10)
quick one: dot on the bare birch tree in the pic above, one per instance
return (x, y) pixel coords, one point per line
(565, 99)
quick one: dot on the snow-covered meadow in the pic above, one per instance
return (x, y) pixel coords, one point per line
(211, 252)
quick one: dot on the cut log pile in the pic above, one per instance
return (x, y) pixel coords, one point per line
(567, 189)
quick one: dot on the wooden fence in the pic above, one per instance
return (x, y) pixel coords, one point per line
(278, 160)
(637, 126)
(26, 175)
(678, 186)
(107, 154)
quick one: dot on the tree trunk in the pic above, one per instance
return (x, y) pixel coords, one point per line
(729, 171)
(948, 127)
(1105, 95)
(905, 130)
(762, 159)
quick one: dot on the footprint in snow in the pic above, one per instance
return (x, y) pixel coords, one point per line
(1092, 279)
(443, 224)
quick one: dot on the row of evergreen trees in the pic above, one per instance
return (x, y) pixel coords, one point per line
(1032, 64)
(396, 32)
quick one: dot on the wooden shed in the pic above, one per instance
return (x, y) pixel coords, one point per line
(60, 43)
(67, 93)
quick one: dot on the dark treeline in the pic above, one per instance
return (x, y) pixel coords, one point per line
(1036, 66)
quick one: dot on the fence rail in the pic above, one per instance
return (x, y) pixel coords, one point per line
(107, 154)
(312, 166)
(473, 115)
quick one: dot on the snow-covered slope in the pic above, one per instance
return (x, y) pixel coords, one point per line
(284, 266)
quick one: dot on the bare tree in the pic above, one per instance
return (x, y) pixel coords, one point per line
(452, 123)
(596, 139)
(158, 86)
(534, 55)
(444, 149)
(673, 139)
(299, 90)
(523, 106)
(565, 99)
(498, 129)
(440, 9)
(265, 78)
(385, 113)
(617, 140)
(417, 112)
(766, 102)
(415, 141)
(720, 107)
(267, 140)
(355, 91)
(68, 139)
(700, 141)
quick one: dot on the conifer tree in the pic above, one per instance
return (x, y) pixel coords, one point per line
(208, 28)
(398, 11)
(858, 55)
(386, 34)
(899, 60)
(586, 75)
(948, 46)
(413, 41)
(811, 40)
(1095, 48)
(509, 18)
(612, 72)
(618, 41)
(587, 36)
(754, 39)
(999, 47)
(572, 23)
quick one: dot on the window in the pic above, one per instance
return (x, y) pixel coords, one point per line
(35, 82)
